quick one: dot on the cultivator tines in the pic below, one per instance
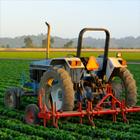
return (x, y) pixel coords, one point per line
(108, 105)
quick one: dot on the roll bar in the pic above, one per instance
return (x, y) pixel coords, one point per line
(80, 40)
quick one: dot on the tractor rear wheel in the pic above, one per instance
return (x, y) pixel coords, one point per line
(31, 114)
(124, 86)
(12, 97)
(58, 89)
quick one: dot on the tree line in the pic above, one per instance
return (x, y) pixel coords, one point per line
(28, 43)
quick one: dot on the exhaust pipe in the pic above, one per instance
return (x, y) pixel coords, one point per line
(48, 41)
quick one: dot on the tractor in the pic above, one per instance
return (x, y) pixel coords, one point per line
(77, 86)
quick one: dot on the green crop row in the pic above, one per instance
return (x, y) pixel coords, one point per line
(8, 134)
(103, 131)
(49, 133)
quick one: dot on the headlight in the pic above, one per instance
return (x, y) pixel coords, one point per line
(119, 54)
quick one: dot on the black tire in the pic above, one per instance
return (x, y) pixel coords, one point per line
(12, 97)
(65, 87)
(128, 85)
(31, 114)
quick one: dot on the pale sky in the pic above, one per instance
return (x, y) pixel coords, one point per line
(68, 17)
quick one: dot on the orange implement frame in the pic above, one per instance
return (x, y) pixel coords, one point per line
(115, 107)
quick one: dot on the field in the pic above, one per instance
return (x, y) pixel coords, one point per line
(13, 127)
(129, 56)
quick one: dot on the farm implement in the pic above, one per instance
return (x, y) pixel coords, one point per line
(113, 107)
(76, 86)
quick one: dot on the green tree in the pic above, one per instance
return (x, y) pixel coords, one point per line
(2, 46)
(44, 42)
(7, 46)
(68, 44)
(52, 42)
(28, 42)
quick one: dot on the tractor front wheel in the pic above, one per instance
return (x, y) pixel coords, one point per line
(12, 97)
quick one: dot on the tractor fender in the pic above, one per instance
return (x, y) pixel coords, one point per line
(66, 61)
(73, 66)
(114, 63)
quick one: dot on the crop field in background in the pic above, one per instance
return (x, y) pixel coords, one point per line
(129, 56)
(12, 126)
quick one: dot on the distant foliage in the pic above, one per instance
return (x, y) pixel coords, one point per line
(58, 42)
(68, 44)
(44, 42)
(5, 46)
(28, 42)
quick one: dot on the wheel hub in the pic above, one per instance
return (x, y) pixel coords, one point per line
(57, 95)
(30, 117)
(10, 101)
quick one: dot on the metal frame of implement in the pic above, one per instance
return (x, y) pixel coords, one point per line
(116, 108)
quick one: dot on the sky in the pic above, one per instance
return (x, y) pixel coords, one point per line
(68, 17)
